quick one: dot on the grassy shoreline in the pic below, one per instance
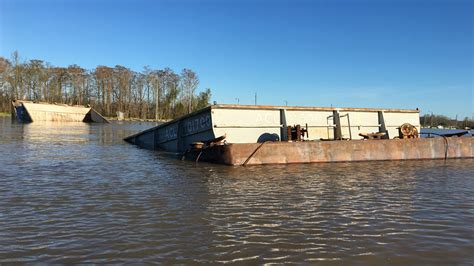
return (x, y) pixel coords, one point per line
(4, 114)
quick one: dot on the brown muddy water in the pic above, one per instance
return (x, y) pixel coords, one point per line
(76, 192)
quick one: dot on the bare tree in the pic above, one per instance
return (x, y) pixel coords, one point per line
(159, 94)
(78, 77)
(189, 83)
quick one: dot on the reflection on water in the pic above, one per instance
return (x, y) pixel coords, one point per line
(77, 193)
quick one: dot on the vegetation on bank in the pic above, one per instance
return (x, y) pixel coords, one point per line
(150, 94)
(431, 120)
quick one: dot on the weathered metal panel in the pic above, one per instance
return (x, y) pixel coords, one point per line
(248, 135)
(250, 124)
(171, 146)
(245, 118)
(96, 117)
(20, 114)
(394, 120)
(320, 123)
(339, 151)
(51, 112)
(304, 108)
(177, 135)
(165, 137)
(360, 122)
(145, 140)
(55, 112)
(196, 124)
(197, 127)
(245, 125)
(166, 133)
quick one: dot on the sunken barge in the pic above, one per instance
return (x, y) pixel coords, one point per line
(27, 112)
(253, 135)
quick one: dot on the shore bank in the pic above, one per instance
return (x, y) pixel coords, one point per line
(131, 119)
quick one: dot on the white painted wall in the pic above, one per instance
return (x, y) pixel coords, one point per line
(51, 112)
(246, 125)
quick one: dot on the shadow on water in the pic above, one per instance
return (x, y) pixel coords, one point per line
(78, 193)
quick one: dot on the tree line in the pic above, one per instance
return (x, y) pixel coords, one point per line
(433, 120)
(149, 94)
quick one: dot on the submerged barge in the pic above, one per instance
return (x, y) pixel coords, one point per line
(248, 134)
(26, 112)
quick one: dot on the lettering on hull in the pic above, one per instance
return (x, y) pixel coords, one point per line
(197, 124)
(189, 126)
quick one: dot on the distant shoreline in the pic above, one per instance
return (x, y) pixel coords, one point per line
(135, 119)
(3, 114)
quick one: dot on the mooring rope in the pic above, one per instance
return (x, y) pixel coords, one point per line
(446, 144)
(184, 154)
(251, 155)
(199, 155)
(189, 150)
(445, 147)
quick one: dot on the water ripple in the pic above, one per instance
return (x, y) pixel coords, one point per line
(77, 193)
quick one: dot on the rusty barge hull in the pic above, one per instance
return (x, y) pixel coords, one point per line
(335, 151)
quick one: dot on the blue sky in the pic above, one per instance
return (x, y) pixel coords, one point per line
(389, 54)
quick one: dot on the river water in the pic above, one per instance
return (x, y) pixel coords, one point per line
(75, 192)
